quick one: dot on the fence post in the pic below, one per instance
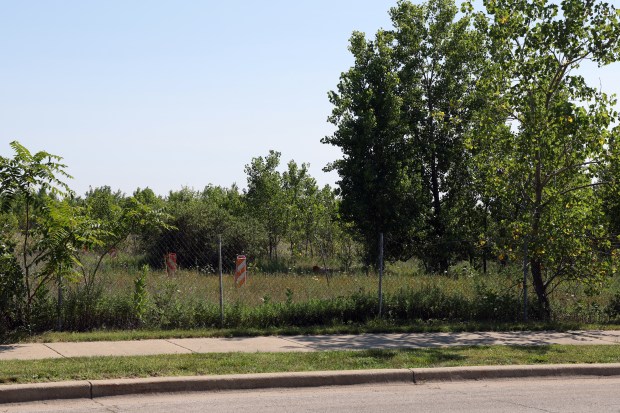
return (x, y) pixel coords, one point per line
(525, 279)
(59, 302)
(221, 283)
(380, 274)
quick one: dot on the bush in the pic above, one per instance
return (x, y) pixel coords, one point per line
(12, 290)
(613, 308)
(195, 237)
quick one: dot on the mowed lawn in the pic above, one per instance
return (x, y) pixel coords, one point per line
(93, 368)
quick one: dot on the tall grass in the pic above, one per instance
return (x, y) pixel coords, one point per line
(190, 299)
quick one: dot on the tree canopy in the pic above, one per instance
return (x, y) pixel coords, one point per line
(543, 136)
(461, 134)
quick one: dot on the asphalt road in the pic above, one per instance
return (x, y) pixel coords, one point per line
(541, 395)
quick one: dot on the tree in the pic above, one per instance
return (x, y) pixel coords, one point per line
(265, 198)
(610, 191)
(52, 228)
(439, 61)
(401, 113)
(113, 218)
(300, 193)
(544, 134)
(379, 185)
(48, 229)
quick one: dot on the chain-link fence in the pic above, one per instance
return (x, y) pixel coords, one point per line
(171, 279)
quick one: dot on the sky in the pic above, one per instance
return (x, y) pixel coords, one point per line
(167, 94)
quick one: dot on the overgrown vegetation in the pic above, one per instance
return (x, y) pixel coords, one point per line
(140, 298)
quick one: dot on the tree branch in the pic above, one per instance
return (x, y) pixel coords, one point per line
(591, 185)
(566, 168)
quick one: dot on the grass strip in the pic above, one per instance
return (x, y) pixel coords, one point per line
(93, 368)
(374, 327)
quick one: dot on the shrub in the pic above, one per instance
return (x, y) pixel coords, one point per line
(195, 237)
(613, 308)
(12, 289)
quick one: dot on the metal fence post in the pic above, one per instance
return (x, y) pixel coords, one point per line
(59, 302)
(221, 283)
(525, 279)
(380, 274)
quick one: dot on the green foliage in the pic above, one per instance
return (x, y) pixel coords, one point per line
(613, 308)
(113, 218)
(27, 175)
(169, 309)
(544, 134)
(48, 228)
(378, 182)
(401, 113)
(289, 296)
(12, 290)
(303, 208)
(265, 198)
(156, 301)
(50, 231)
(196, 222)
(440, 60)
(140, 295)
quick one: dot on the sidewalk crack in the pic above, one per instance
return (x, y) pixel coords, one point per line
(183, 347)
(412, 376)
(54, 350)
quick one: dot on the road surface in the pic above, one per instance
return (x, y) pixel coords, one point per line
(599, 395)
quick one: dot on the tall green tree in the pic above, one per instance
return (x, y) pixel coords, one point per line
(439, 61)
(300, 193)
(379, 182)
(265, 198)
(610, 190)
(401, 114)
(544, 134)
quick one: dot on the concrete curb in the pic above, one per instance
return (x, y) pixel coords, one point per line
(438, 374)
(102, 388)
(21, 393)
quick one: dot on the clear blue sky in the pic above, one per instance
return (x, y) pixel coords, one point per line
(178, 93)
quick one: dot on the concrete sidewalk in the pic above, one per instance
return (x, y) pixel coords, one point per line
(301, 343)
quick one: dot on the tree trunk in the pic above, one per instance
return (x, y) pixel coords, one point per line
(441, 259)
(535, 262)
(485, 246)
(539, 287)
(439, 254)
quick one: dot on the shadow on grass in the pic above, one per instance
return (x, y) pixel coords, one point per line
(377, 354)
(9, 380)
(536, 350)
(442, 355)
(423, 355)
